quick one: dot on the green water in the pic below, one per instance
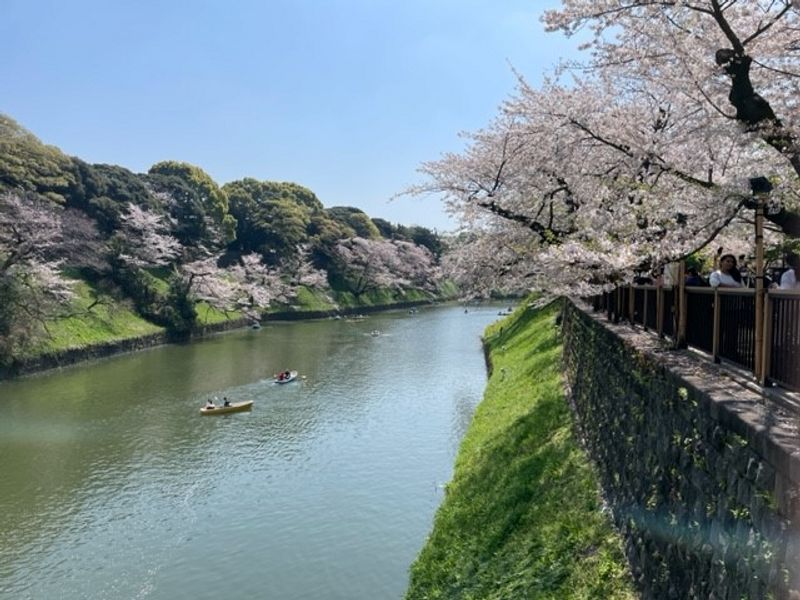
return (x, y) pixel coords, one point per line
(112, 485)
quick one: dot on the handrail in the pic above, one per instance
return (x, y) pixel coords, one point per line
(722, 322)
(722, 290)
(783, 293)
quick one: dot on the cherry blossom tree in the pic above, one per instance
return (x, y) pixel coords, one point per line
(37, 238)
(300, 269)
(415, 266)
(642, 157)
(734, 65)
(368, 264)
(552, 176)
(144, 239)
(249, 286)
(256, 285)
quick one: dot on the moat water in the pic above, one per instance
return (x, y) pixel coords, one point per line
(114, 486)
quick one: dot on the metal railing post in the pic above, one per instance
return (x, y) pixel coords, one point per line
(715, 332)
(631, 305)
(660, 311)
(644, 308)
(761, 187)
(766, 352)
(759, 304)
(681, 300)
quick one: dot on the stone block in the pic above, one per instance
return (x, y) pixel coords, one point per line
(744, 493)
(751, 468)
(733, 479)
(791, 557)
(786, 498)
(718, 437)
(765, 476)
(794, 467)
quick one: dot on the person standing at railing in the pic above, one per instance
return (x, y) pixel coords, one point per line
(694, 279)
(727, 275)
(789, 280)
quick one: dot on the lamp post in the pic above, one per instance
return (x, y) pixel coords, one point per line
(761, 187)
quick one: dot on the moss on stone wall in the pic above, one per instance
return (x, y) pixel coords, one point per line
(695, 467)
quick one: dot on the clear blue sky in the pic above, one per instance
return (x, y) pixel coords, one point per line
(345, 97)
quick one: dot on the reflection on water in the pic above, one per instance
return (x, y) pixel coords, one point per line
(113, 485)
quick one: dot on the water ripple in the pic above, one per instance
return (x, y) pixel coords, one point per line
(114, 486)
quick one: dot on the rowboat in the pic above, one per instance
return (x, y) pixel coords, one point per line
(283, 378)
(234, 407)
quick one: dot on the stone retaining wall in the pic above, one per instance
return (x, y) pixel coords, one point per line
(701, 473)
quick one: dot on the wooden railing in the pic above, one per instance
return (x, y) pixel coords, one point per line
(782, 343)
(720, 322)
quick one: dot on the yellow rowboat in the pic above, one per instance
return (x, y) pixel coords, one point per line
(234, 407)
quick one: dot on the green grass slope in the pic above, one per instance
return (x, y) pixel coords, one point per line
(92, 322)
(106, 321)
(522, 516)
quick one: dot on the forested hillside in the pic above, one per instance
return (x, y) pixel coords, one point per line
(78, 240)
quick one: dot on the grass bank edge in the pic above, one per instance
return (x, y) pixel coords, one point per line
(92, 322)
(522, 516)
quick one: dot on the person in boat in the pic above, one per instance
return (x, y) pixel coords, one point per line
(210, 404)
(286, 375)
(225, 401)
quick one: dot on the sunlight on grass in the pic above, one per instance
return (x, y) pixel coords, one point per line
(208, 315)
(522, 516)
(106, 321)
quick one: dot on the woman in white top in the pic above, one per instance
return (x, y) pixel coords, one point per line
(789, 278)
(727, 275)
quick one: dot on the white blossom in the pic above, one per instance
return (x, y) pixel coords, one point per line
(386, 264)
(146, 239)
(638, 158)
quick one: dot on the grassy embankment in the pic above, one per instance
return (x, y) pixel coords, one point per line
(522, 517)
(111, 320)
(106, 321)
(310, 300)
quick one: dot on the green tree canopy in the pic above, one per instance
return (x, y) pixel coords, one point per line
(103, 191)
(296, 193)
(206, 196)
(26, 164)
(272, 218)
(385, 228)
(356, 219)
(422, 236)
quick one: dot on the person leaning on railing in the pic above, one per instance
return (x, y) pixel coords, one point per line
(728, 274)
(789, 280)
(693, 278)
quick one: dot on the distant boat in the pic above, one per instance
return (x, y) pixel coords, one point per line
(233, 407)
(285, 377)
